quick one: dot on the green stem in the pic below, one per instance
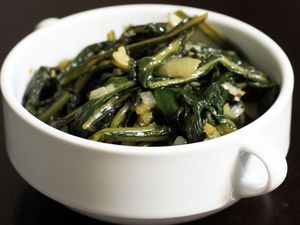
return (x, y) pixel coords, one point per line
(105, 109)
(208, 31)
(121, 115)
(71, 116)
(173, 33)
(55, 107)
(203, 70)
(137, 134)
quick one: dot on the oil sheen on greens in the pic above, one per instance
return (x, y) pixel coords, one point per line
(166, 83)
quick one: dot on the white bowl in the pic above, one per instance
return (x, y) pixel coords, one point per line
(135, 184)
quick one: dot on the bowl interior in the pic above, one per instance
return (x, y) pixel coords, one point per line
(65, 39)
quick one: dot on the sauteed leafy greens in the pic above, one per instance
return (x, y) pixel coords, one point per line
(157, 84)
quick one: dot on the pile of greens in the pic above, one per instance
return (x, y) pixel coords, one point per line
(158, 84)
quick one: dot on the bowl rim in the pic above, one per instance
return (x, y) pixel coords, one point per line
(284, 96)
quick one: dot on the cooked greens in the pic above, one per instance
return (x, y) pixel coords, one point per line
(158, 84)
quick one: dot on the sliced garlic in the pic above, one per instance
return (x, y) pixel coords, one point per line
(179, 67)
(99, 92)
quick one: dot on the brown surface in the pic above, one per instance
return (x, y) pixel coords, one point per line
(22, 205)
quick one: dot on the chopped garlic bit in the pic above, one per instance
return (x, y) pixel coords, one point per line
(233, 112)
(141, 108)
(111, 36)
(211, 131)
(195, 84)
(236, 111)
(174, 20)
(148, 98)
(99, 92)
(52, 73)
(226, 109)
(121, 58)
(145, 119)
(147, 103)
(233, 90)
(179, 141)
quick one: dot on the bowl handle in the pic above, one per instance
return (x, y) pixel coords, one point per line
(46, 23)
(274, 162)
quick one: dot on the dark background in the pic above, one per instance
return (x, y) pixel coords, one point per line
(22, 205)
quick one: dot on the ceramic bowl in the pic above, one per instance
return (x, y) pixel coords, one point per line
(126, 184)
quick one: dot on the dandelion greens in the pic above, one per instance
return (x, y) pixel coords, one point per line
(165, 83)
